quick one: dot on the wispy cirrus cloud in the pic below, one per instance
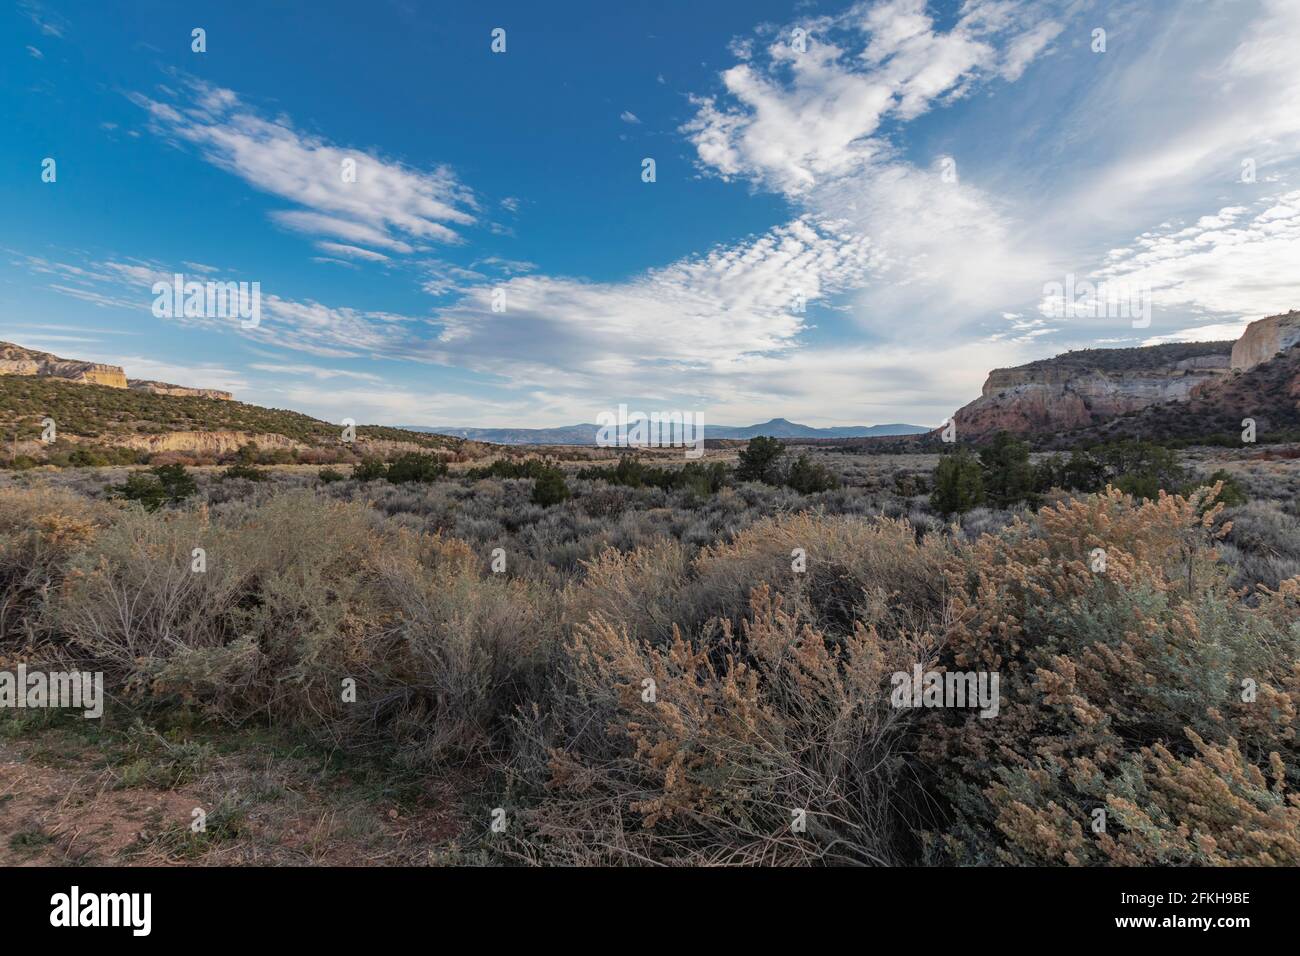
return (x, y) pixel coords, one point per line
(50, 22)
(304, 325)
(352, 252)
(341, 192)
(314, 371)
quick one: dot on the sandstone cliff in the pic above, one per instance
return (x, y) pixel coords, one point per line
(1267, 394)
(16, 360)
(1181, 390)
(1081, 388)
(1263, 339)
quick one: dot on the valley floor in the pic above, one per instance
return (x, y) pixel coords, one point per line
(350, 679)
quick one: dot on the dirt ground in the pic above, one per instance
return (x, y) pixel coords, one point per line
(130, 799)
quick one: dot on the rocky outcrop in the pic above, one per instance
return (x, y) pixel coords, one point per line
(1264, 339)
(165, 388)
(16, 360)
(1080, 388)
(205, 443)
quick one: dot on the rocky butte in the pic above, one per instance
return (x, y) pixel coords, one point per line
(16, 360)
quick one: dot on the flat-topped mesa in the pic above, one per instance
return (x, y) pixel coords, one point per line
(1079, 388)
(166, 388)
(1264, 338)
(16, 360)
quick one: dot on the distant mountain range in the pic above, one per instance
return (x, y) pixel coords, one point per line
(585, 434)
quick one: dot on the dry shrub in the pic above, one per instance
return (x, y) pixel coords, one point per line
(1152, 690)
(457, 650)
(271, 617)
(40, 530)
(873, 571)
(1121, 691)
(744, 731)
(638, 589)
(299, 594)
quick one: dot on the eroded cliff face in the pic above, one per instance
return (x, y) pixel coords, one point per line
(1090, 387)
(1263, 339)
(213, 444)
(205, 443)
(1080, 388)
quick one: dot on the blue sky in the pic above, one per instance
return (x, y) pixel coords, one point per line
(917, 174)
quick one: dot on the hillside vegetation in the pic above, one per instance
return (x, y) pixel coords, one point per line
(1119, 360)
(1268, 393)
(102, 413)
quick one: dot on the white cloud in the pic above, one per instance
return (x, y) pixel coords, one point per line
(816, 126)
(49, 22)
(684, 320)
(1232, 263)
(802, 116)
(390, 204)
(314, 371)
(303, 325)
(627, 116)
(353, 252)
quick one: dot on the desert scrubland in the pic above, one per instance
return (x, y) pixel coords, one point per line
(461, 667)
